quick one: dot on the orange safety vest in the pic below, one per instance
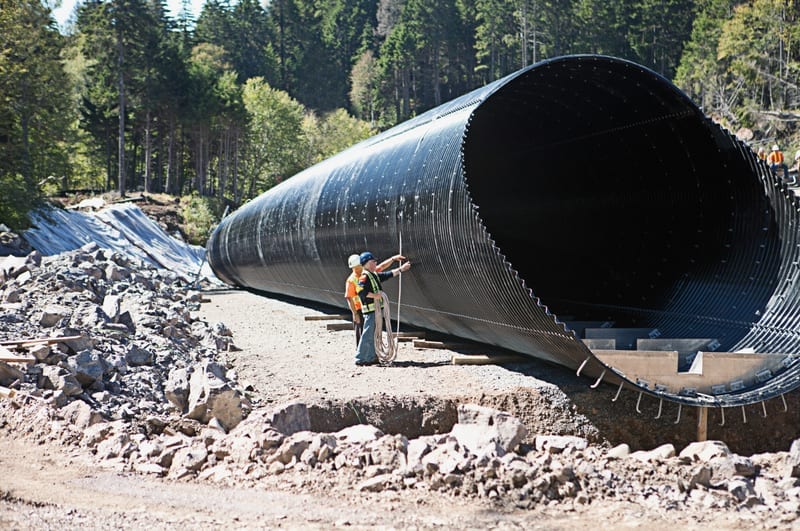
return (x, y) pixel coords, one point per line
(775, 157)
(351, 289)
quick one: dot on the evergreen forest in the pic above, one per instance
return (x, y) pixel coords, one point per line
(222, 107)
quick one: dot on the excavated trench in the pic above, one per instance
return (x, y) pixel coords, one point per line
(587, 413)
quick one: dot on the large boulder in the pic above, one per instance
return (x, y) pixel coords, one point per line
(479, 427)
(210, 396)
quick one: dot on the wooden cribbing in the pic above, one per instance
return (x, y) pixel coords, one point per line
(326, 317)
(8, 356)
(702, 424)
(422, 343)
(5, 392)
(333, 327)
(486, 359)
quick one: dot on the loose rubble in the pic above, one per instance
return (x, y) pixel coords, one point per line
(129, 376)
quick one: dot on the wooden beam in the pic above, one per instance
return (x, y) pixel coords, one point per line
(326, 317)
(413, 335)
(486, 359)
(27, 342)
(702, 424)
(334, 327)
(8, 356)
(5, 392)
(422, 343)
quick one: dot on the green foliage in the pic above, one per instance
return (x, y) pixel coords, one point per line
(742, 65)
(242, 31)
(255, 92)
(335, 132)
(276, 146)
(364, 86)
(198, 217)
(34, 102)
(16, 200)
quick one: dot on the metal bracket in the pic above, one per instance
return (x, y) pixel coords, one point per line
(594, 385)
(722, 411)
(582, 366)
(660, 405)
(744, 416)
(619, 390)
(679, 413)
(637, 403)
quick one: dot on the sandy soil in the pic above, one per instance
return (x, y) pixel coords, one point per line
(280, 356)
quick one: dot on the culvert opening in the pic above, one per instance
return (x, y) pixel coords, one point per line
(617, 204)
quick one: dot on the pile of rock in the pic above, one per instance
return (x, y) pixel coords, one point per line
(12, 244)
(482, 457)
(121, 343)
(130, 376)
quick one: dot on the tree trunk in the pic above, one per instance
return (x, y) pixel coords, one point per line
(235, 176)
(121, 87)
(169, 185)
(436, 74)
(147, 153)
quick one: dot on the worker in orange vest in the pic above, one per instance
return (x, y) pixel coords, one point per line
(775, 161)
(351, 289)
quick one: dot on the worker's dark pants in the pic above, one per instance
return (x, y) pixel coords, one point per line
(783, 166)
(359, 327)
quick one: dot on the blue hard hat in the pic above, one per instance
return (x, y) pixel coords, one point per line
(366, 257)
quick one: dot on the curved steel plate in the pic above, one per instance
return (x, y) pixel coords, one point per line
(580, 189)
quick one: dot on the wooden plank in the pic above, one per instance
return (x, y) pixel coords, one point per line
(326, 317)
(29, 342)
(421, 343)
(702, 424)
(5, 392)
(335, 327)
(413, 335)
(487, 359)
(8, 356)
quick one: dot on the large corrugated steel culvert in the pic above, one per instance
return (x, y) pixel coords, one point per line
(575, 194)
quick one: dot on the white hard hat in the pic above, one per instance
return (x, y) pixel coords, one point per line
(775, 147)
(353, 261)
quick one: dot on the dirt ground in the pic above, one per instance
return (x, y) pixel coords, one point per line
(281, 356)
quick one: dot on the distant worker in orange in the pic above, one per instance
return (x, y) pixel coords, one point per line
(762, 154)
(351, 289)
(775, 161)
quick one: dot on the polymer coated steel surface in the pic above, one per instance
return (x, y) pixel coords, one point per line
(580, 189)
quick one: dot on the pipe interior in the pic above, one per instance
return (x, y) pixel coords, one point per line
(617, 201)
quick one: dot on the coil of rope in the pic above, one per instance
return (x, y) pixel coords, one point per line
(385, 348)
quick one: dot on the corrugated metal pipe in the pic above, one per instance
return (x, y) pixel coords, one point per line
(579, 194)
